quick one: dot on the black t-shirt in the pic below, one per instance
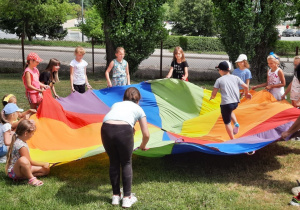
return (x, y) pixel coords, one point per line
(178, 69)
(45, 77)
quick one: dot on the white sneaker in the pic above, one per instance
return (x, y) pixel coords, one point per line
(116, 200)
(3, 159)
(128, 201)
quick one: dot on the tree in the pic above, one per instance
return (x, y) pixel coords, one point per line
(248, 26)
(135, 25)
(193, 17)
(34, 17)
(93, 26)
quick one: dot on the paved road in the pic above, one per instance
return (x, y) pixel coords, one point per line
(196, 62)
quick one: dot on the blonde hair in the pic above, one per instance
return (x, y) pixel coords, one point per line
(119, 49)
(296, 57)
(79, 50)
(274, 57)
(8, 98)
(246, 64)
(177, 50)
(23, 126)
(53, 75)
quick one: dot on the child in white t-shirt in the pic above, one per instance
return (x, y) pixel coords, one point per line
(78, 75)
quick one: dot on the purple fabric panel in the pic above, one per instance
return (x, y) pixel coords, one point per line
(86, 103)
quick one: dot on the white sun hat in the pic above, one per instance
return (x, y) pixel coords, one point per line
(242, 57)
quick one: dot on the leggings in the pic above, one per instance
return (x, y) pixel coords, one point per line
(118, 143)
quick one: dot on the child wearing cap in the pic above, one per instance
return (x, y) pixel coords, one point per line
(8, 115)
(275, 77)
(78, 75)
(31, 80)
(242, 70)
(230, 96)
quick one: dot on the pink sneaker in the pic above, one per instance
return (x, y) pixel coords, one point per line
(236, 128)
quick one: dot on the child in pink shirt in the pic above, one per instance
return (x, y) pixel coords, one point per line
(31, 80)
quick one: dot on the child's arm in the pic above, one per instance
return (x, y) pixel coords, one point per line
(282, 80)
(44, 86)
(127, 73)
(287, 90)
(246, 91)
(7, 137)
(28, 82)
(145, 132)
(259, 86)
(248, 82)
(71, 78)
(109, 68)
(25, 152)
(86, 80)
(214, 93)
(170, 72)
(54, 92)
(186, 74)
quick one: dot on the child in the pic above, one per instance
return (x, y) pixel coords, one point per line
(78, 76)
(119, 145)
(230, 97)
(242, 70)
(19, 164)
(275, 79)
(294, 86)
(179, 66)
(120, 69)
(31, 80)
(8, 115)
(50, 75)
(10, 98)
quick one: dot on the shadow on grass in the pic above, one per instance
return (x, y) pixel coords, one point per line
(91, 174)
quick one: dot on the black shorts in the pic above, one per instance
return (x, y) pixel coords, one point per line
(226, 111)
(79, 88)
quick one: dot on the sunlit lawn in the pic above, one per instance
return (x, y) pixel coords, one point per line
(186, 181)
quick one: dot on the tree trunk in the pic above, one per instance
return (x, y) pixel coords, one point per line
(110, 49)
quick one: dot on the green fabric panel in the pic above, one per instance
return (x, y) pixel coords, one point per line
(156, 152)
(177, 101)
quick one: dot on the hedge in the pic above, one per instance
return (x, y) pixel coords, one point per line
(211, 44)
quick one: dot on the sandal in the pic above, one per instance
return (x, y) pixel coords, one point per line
(35, 182)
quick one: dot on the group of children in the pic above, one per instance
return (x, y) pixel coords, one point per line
(16, 128)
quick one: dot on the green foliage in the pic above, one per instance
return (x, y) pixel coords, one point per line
(193, 17)
(135, 25)
(93, 25)
(194, 43)
(34, 17)
(248, 27)
(285, 47)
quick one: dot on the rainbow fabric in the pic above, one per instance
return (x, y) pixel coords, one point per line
(180, 119)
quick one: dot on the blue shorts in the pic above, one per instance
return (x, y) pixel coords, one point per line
(3, 150)
(226, 111)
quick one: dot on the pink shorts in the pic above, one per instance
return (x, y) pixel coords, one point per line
(34, 98)
(12, 175)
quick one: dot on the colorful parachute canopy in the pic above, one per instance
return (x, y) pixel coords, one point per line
(180, 118)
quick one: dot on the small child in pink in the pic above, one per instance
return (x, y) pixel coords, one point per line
(31, 80)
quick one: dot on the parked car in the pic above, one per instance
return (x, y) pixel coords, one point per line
(297, 33)
(288, 32)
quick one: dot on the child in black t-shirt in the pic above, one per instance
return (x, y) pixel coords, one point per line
(50, 75)
(179, 66)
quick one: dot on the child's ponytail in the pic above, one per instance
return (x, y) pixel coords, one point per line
(8, 155)
(3, 117)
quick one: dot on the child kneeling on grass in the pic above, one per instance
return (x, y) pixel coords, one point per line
(19, 164)
(230, 96)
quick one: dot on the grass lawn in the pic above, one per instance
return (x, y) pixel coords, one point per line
(186, 181)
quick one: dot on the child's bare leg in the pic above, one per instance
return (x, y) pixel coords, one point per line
(22, 168)
(229, 130)
(40, 171)
(233, 118)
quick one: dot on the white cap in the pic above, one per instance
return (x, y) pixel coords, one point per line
(242, 57)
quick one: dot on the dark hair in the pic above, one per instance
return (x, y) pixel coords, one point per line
(53, 75)
(297, 72)
(132, 94)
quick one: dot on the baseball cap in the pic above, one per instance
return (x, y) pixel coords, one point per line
(11, 108)
(242, 57)
(34, 56)
(223, 66)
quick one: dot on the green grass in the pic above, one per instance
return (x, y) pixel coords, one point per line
(185, 181)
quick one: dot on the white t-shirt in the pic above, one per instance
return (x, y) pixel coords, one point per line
(229, 88)
(78, 72)
(126, 111)
(3, 128)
